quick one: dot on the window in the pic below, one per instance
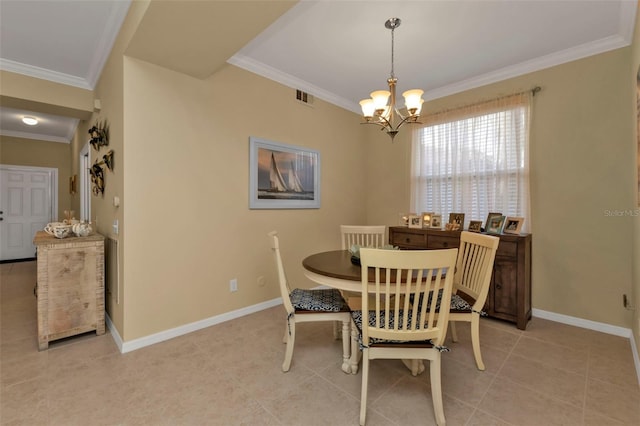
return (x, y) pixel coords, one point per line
(474, 160)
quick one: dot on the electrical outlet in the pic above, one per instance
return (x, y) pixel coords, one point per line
(261, 281)
(233, 285)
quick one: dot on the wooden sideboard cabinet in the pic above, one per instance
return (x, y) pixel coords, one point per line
(510, 291)
(70, 286)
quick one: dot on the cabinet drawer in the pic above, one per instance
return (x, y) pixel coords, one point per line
(405, 239)
(507, 249)
(441, 242)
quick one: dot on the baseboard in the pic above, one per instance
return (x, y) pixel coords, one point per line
(187, 328)
(583, 323)
(636, 357)
(596, 326)
(114, 332)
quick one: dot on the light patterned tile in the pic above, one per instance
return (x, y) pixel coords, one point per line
(553, 355)
(550, 381)
(617, 402)
(519, 405)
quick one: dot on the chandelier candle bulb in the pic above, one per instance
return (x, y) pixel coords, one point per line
(368, 108)
(413, 100)
(380, 98)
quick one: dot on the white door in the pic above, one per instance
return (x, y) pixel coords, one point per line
(28, 200)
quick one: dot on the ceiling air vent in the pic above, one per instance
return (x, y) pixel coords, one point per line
(304, 97)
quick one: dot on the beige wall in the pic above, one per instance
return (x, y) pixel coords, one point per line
(27, 152)
(186, 191)
(109, 90)
(23, 92)
(581, 165)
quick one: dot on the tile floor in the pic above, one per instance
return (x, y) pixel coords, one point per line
(230, 374)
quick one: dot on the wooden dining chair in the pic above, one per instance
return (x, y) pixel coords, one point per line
(364, 236)
(304, 305)
(471, 282)
(391, 327)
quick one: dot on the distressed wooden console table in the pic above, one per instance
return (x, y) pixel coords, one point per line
(70, 286)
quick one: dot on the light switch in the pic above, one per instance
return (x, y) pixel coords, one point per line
(115, 226)
(116, 201)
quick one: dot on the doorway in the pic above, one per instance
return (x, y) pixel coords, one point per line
(28, 201)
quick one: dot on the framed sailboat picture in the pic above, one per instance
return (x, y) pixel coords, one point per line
(283, 176)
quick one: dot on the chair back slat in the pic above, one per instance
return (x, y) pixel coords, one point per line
(475, 265)
(285, 291)
(364, 236)
(407, 283)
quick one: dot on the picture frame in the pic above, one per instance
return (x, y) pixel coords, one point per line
(489, 216)
(455, 223)
(512, 225)
(426, 219)
(457, 218)
(283, 176)
(436, 221)
(475, 226)
(495, 224)
(415, 221)
(403, 218)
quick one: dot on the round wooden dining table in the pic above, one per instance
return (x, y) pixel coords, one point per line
(333, 269)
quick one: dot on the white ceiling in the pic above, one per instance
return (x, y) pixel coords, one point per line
(336, 50)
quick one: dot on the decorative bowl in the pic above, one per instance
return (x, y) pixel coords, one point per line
(81, 229)
(58, 229)
(355, 252)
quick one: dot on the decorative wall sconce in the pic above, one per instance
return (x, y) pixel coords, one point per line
(72, 184)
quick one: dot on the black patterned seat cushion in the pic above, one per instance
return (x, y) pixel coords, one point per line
(322, 300)
(357, 320)
(458, 304)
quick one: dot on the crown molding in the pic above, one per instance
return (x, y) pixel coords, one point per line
(109, 35)
(35, 136)
(44, 74)
(257, 67)
(543, 62)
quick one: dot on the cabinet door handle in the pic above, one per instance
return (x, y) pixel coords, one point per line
(498, 286)
(407, 240)
(445, 244)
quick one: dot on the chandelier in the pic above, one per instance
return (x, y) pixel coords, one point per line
(376, 111)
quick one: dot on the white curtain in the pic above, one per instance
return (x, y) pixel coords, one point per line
(474, 160)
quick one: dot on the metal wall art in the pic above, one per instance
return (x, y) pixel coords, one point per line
(100, 137)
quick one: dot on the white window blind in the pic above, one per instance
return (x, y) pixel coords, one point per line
(474, 160)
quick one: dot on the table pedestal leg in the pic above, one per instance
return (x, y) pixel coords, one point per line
(416, 366)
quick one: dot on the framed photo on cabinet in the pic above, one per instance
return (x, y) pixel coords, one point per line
(436, 221)
(475, 226)
(426, 219)
(494, 225)
(513, 225)
(415, 221)
(489, 216)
